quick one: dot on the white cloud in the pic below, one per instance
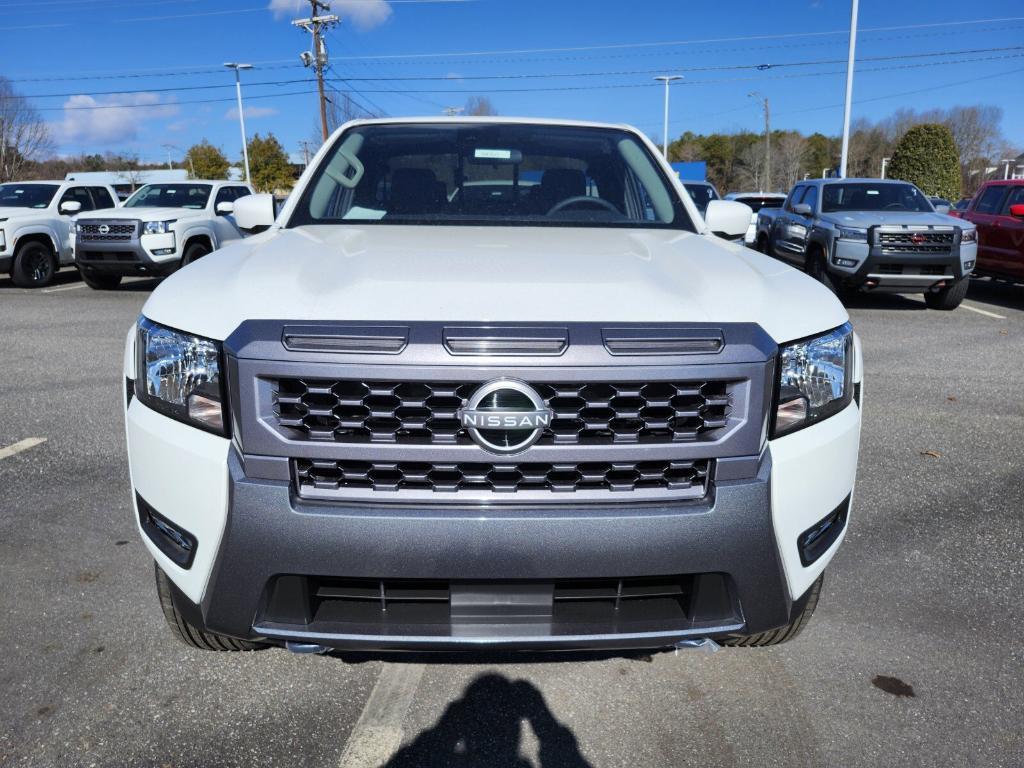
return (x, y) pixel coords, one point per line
(119, 120)
(364, 14)
(232, 114)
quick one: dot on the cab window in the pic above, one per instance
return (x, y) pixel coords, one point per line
(989, 200)
(101, 198)
(77, 194)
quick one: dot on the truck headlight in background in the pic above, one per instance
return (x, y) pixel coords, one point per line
(179, 375)
(815, 380)
(3, 240)
(859, 235)
(968, 235)
(157, 227)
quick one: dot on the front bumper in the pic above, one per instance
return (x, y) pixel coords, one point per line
(152, 255)
(869, 266)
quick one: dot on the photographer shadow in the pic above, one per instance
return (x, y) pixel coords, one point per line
(484, 729)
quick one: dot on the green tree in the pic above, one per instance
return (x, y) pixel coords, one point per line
(269, 164)
(927, 156)
(206, 161)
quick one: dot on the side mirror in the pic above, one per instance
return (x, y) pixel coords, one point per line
(1017, 210)
(70, 207)
(944, 209)
(254, 213)
(803, 209)
(225, 207)
(728, 219)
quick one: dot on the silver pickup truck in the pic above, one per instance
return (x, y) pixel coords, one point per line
(871, 235)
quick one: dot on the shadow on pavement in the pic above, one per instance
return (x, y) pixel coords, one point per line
(884, 301)
(484, 729)
(996, 293)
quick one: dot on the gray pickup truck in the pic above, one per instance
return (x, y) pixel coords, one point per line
(871, 235)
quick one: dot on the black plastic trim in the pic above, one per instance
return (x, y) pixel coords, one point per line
(816, 540)
(174, 541)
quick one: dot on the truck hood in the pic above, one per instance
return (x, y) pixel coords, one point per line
(491, 274)
(142, 213)
(865, 219)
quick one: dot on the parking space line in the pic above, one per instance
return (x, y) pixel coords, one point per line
(378, 732)
(64, 288)
(984, 312)
(21, 445)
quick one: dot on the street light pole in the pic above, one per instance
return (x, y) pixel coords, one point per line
(885, 164)
(849, 90)
(666, 79)
(241, 114)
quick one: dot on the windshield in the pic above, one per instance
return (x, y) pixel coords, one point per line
(757, 203)
(864, 196)
(27, 195)
(491, 174)
(170, 196)
(702, 194)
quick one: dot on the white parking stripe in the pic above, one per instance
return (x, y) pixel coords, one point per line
(21, 445)
(64, 288)
(984, 312)
(378, 732)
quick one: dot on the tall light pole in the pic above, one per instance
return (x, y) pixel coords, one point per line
(169, 147)
(666, 79)
(767, 140)
(849, 90)
(241, 114)
(885, 164)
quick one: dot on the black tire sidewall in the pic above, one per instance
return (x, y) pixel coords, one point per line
(19, 272)
(193, 253)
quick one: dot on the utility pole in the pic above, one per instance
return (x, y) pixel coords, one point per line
(849, 90)
(169, 147)
(767, 140)
(885, 164)
(305, 151)
(241, 114)
(667, 80)
(316, 24)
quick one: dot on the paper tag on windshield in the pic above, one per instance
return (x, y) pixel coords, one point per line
(493, 154)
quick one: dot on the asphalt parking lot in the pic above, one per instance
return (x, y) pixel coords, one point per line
(926, 591)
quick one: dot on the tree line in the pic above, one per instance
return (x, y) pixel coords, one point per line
(736, 161)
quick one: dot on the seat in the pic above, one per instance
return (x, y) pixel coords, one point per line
(558, 184)
(414, 190)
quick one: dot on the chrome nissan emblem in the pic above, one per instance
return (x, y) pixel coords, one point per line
(103, 229)
(505, 416)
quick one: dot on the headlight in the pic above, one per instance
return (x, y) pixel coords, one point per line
(179, 376)
(968, 235)
(157, 227)
(814, 380)
(860, 235)
(3, 240)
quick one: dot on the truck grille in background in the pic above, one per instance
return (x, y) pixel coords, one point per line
(330, 479)
(426, 412)
(117, 232)
(915, 242)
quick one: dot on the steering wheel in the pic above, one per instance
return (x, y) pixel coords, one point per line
(583, 199)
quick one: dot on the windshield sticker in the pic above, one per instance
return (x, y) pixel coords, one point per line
(492, 154)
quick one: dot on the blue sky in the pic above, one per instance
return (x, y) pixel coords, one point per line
(65, 54)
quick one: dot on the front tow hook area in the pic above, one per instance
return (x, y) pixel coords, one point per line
(306, 648)
(705, 644)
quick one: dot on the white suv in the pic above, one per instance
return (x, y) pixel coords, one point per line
(158, 229)
(434, 407)
(36, 226)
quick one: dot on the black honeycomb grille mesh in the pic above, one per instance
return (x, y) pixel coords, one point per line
(426, 412)
(334, 476)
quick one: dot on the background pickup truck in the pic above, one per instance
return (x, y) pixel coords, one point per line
(874, 235)
(997, 210)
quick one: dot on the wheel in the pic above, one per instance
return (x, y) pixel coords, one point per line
(949, 297)
(193, 252)
(761, 244)
(100, 281)
(171, 601)
(802, 612)
(816, 268)
(34, 265)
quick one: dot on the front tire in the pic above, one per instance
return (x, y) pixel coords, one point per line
(819, 271)
(803, 610)
(99, 281)
(34, 265)
(186, 631)
(194, 252)
(948, 298)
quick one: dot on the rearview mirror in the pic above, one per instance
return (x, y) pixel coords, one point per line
(727, 218)
(254, 213)
(225, 207)
(802, 209)
(70, 207)
(1017, 210)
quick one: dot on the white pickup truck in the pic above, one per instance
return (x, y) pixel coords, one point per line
(434, 408)
(36, 226)
(160, 228)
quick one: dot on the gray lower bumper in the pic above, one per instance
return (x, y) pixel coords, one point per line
(271, 532)
(124, 257)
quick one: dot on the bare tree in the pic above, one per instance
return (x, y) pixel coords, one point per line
(789, 152)
(750, 168)
(24, 137)
(480, 106)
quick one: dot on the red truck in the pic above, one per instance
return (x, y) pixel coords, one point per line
(997, 210)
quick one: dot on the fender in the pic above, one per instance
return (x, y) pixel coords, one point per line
(199, 228)
(39, 229)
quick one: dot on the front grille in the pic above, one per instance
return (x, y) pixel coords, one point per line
(328, 479)
(911, 269)
(426, 412)
(915, 242)
(116, 232)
